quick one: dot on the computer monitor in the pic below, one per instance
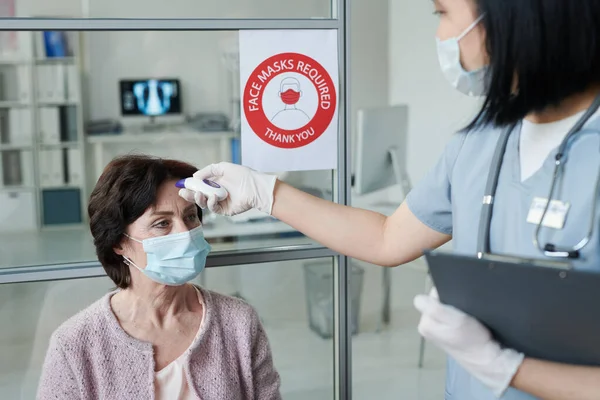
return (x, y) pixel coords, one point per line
(381, 149)
(150, 97)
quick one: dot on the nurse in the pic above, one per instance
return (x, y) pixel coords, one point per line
(537, 66)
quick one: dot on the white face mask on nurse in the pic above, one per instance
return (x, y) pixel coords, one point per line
(461, 49)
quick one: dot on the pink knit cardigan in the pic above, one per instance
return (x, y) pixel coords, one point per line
(91, 357)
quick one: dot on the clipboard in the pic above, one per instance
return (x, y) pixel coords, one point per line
(543, 309)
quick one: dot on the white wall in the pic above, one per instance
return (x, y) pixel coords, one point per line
(48, 8)
(369, 57)
(210, 8)
(436, 110)
(194, 56)
(368, 65)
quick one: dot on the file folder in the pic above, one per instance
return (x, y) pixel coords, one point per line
(50, 125)
(538, 307)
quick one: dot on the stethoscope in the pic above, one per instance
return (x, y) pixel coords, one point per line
(548, 249)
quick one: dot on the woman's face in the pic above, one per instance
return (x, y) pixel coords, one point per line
(455, 17)
(171, 214)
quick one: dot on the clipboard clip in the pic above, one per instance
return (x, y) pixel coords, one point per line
(561, 265)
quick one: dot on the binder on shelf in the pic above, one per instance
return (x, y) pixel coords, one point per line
(61, 206)
(11, 168)
(55, 44)
(27, 168)
(3, 81)
(51, 83)
(23, 84)
(39, 45)
(25, 43)
(74, 167)
(72, 78)
(44, 87)
(51, 168)
(25, 136)
(50, 125)
(19, 131)
(68, 124)
(14, 124)
(57, 83)
(4, 126)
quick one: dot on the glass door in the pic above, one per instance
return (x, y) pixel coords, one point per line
(66, 134)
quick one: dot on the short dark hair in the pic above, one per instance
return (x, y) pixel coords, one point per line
(127, 187)
(552, 47)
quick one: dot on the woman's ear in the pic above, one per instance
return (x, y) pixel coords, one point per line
(118, 249)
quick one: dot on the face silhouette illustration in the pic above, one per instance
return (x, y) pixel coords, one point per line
(289, 91)
(290, 117)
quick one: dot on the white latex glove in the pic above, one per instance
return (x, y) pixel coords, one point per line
(468, 341)
(247, 189)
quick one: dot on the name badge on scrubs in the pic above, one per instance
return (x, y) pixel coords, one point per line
(555, 216)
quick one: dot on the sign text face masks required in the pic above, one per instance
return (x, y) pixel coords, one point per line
(289, 100)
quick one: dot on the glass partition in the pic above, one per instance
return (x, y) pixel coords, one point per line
(61, 122)
(303, 354)
(173, 9)
(389, 357)
(65, 118)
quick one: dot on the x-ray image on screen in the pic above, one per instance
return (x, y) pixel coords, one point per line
(152, 97)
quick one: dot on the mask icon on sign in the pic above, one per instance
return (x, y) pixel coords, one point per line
(291, 117)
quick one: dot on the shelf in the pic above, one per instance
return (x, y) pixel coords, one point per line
(158, 137)
(16, 188)
(13, 62)
(13, 104)
(58, 103)
(55, 60)
(61, 187)
(61, 145)
(64, 227)
(10, 147)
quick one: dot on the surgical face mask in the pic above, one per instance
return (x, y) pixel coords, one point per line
(290, 97)
(471, 83)
(174, 259)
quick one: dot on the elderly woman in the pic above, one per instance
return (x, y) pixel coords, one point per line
(157, 336)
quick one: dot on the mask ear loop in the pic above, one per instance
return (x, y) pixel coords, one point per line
(127, 260)
(134, 239)
(470, 28)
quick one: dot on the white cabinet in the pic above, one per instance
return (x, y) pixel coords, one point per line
(18, 211)
(41, 136)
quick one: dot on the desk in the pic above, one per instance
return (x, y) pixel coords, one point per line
(171, 134)
(71, 245)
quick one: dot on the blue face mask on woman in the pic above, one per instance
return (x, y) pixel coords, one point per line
(174, 259)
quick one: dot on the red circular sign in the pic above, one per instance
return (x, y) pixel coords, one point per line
(253, 100)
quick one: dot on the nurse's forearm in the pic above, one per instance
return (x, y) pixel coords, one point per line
(553, 381)
(361, 234)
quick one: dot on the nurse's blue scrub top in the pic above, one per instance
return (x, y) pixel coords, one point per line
(449, 200)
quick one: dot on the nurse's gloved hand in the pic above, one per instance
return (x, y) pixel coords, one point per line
(247, 189)
(468, 341)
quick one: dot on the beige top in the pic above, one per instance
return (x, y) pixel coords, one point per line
(170, 383)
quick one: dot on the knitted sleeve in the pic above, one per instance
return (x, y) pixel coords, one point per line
(266, 378)
(57, 380)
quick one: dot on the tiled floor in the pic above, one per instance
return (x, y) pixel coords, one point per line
(384, 362)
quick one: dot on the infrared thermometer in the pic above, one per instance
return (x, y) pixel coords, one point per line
(206, 187)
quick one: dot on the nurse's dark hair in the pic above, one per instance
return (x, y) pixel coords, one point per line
(125, 190)
(550, 47)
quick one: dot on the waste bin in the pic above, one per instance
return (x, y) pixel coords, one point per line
(318, 278)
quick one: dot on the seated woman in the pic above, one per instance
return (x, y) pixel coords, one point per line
(157, 336)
